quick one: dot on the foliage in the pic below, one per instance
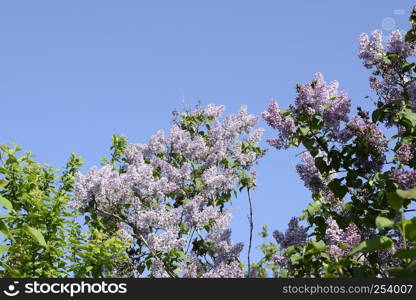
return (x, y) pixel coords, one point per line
(41, 235)
(36, 222)
(361, 177)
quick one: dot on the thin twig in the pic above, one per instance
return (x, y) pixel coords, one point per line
(250, 220)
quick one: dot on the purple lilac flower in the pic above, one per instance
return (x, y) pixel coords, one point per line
(226, 260)
(226, 270)
(312, 178)
(319, 97)
(337, 112)
(281, 260)
(412, 94)
(404, 154)
(370, 132)
(375, 84)
(405, 179)
(198, 214)
(387, 80)
(149, 179)
(309, 173)
(371, 50)
(333, 232)
(372, 163)
(312, 96)
(295, 234)
(335, 237)
(158, 270)
(213, 111)
(398, 45)
(285, 126)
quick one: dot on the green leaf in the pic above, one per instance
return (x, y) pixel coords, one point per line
(314, 207)
(377, 115)
(407, 66)
(320, 163)
(339, 190)
(408, 271)
(35, 234)
(410, 229)
(409, 117)
(308, 143)
(4, 249)
(13, 272)
(377, 243)
(407, 194)
(304, 130)
(264, 233)
(383, 222)
(6, 203)
(394, 200)
(315, 247)
(405, 253)
(3, 182)
(5, 230)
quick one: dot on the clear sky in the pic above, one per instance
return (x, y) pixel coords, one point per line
(73, 73)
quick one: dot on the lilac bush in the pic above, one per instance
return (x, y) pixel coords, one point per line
(361, 175)
(169, 196)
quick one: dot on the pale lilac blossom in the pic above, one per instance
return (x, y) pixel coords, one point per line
(335, 237)
(160, 199)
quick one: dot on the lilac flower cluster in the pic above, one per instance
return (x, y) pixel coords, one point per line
(157, 175)
(386, 79)
(396, 44)
(313, 98)
(312, 178)
(405, 179)
(411, 90)
(319, 97)
(285, 126)
(281, 260)
(225, 262)
(295, 234)
(198, 214)
(102, 185)
(404, 154)
(368, 131)
(335, 237)
(230, 270)
(309, 173)
(371, 49)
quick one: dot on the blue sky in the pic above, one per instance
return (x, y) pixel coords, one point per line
(73, 73)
